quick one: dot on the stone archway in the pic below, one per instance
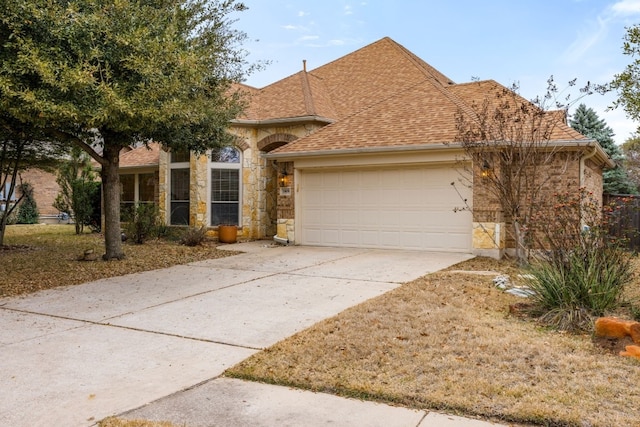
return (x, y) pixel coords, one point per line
(270, 186)
(274, 141)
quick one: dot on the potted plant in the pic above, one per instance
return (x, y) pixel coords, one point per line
(227, 233)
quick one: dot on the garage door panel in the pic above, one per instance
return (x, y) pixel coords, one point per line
(411, 208)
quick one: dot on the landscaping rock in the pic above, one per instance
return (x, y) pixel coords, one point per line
(504, 283)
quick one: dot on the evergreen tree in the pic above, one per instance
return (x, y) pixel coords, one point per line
(586, 121)
(28, 210)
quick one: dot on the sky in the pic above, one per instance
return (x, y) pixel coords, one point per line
(510, 41)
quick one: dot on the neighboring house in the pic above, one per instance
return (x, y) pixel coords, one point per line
(360, 152)
(45, 191)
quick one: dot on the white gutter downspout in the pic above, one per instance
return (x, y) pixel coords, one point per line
(281, 240)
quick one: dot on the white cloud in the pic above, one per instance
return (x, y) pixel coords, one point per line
(587, 39)
(626, 7)
(307, 38)
(303, 13)
(295, 27)
(348, 10)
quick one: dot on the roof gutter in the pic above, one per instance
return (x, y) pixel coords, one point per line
(363, 150)
(580, 143)
(283, 121)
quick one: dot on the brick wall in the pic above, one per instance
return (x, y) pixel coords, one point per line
(45, 189)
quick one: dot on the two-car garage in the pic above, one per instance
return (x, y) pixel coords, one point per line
(399, 207)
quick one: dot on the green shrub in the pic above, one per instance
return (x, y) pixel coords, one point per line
(141, 222)
(194, 236)
(584, 283)
(582, 271)
(28, 210)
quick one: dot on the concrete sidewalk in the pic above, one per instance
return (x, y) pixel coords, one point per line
(160, 340)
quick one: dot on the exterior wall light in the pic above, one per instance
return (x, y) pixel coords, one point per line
(486, 169)
(284, 179)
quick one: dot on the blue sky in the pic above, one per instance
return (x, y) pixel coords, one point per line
(523, 41)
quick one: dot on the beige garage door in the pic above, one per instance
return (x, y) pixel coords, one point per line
(399, 208)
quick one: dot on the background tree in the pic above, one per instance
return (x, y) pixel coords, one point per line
(508, 140)
(21, 147)
(586, 121)
(627, 83)
(78, 186)
(28, 210)
(103, 75)
(631, 150)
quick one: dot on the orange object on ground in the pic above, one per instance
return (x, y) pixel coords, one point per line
(613, 327)
(631, 351)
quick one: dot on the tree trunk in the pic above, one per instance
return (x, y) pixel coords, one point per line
(3, 227)
(111, 194)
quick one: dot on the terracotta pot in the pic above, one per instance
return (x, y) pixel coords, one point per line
(227, 233)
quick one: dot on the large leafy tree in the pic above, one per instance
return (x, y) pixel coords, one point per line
(586, 121)
(627, 83)
(105, 74)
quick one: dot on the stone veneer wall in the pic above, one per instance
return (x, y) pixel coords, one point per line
(261, 202)
(286, 205)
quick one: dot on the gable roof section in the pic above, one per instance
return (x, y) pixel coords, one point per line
(417, 116)
(476, 93)
(344, 86)
(141, 157)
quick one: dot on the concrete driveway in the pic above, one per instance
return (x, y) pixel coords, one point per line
(75, 355)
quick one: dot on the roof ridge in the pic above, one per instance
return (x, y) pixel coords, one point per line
(368, 107)
(421, 64)
(307, 94)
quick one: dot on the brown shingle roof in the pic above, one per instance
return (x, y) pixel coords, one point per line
(381, 95)
(344, 86)
(399, 120)
(141, 156)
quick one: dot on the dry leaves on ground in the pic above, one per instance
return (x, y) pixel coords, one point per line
(46, 256)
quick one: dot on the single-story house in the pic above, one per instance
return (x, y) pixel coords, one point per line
(359, 152)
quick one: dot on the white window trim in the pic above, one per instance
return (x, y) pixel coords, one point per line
(224, 165)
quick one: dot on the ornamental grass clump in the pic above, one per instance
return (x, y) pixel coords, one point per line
(582, 271)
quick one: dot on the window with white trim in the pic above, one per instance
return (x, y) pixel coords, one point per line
(225, 185)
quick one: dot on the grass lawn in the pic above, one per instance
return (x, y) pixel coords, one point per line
(37, 257)
(446, 341)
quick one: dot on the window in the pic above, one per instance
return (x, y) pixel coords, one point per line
(180, 185)
(146, 187)
(128, 193)
(179, 196)
(136, 188)
(225, 186)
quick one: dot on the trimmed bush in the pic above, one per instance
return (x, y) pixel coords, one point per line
(141, 222)
(194, 236)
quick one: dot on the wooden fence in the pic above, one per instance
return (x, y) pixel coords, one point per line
(624, 221)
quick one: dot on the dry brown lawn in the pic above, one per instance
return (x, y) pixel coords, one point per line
(447, 342)
(36, 257)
